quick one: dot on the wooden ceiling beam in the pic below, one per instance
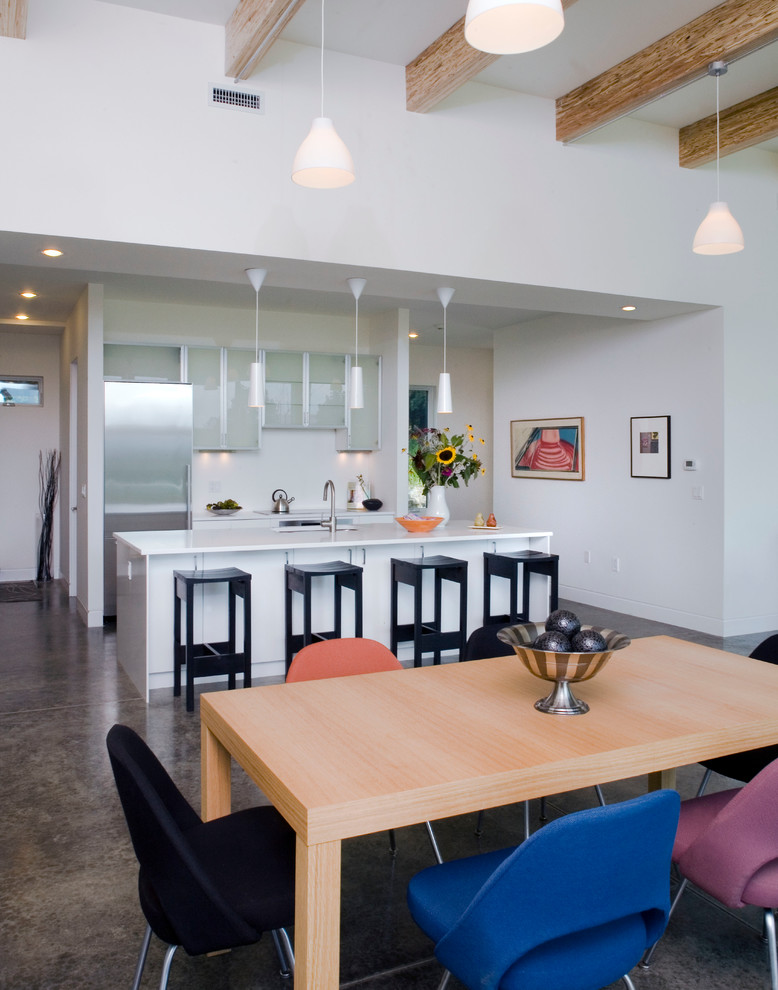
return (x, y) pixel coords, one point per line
(13, 18)
(251, 30)
(733, 29)
(741, 126)
(445, 65)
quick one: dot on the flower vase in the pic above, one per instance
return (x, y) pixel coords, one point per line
(437, 505)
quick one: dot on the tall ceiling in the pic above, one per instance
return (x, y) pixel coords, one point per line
(598, 34)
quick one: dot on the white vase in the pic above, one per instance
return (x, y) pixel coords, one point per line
(437, 505)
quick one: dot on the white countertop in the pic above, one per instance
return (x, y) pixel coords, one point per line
(245, 538)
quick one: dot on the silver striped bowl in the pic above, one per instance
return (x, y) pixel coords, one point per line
(561, 668)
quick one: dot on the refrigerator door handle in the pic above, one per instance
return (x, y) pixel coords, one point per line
(188, 474)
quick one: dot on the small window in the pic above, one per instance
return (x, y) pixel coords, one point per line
(21, 391)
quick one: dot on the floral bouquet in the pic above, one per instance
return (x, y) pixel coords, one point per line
(442, 459)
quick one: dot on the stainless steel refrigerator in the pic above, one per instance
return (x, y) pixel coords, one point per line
(148, 464)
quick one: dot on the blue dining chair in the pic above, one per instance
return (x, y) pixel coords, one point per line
(574, 907)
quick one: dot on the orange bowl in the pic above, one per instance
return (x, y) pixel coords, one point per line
(422, 525)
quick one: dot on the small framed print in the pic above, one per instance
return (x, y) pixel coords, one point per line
(650, 446)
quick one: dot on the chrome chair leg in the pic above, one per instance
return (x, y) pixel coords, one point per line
(645, 962)
(392, 843)
(628, 982)
(284, 952)
(769, 925)
(479, 830)
(170, 952)
(444, 980)
(704, 783)
(526, 820)
(144, 951)
(434, 843)
(601, 799)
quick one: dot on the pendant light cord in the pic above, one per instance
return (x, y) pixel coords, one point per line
(321, 68)
(444, 339)
(256, 328)
(356, 334)
(718, 185)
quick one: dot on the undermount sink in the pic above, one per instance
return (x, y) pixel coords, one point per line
(303, 526)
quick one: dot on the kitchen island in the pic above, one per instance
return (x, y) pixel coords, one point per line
(146, 561)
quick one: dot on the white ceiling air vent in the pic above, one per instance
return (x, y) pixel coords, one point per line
(250, 101)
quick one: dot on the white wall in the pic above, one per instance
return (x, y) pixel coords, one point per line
(25, 433)
(477, 188)
(670, 567)
(471, 389)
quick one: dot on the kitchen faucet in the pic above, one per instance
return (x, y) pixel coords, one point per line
(332, 523)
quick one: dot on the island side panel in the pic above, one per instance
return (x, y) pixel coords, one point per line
(132, 616)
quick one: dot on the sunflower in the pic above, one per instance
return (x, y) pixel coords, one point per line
(446, 455)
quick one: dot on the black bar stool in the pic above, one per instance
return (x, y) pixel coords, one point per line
(299, 578)
(506, 565)
(207, 659)
(428, 637)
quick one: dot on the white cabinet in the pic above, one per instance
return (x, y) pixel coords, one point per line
(363, 426)
(223, 419)
(305, 390)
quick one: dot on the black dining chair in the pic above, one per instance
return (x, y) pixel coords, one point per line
(208, 886)
(481, 644)
(745, 766)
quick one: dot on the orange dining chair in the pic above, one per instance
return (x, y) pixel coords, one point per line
(342, 658)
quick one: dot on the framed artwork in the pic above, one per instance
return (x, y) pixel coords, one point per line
(548, 448)
(650, 446)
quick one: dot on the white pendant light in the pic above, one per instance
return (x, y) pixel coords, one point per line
(256, 378)
(322, 161)
(356, 393)
(719, 232)
(507, 27)
(444, 381)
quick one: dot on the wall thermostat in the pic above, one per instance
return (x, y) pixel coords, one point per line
(690, 465)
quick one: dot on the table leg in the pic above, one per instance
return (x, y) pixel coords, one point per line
(317, 916)
(215, 776)
(658, 779)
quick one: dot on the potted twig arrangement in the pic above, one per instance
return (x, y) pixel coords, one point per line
(48, 479)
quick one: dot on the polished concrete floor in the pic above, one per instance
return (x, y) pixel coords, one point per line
(69, 916)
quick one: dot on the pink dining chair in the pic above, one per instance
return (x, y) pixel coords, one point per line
(727, 845)
(342, 658)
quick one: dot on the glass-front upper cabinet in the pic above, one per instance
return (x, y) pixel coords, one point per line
(223, 419)
(141, 363)
(241, 421)
(305, 390)
(326, 390)
(284, 376)
(363, 426)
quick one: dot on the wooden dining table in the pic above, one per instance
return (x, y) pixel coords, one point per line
(353, 755)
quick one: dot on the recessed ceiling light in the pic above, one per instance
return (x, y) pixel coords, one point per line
(52, 252)
(28, 295)
(629, 309)
(22, 316)
(413, 333)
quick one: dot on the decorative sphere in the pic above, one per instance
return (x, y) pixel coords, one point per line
(552, 642)
(588, 641)
(563, 621)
